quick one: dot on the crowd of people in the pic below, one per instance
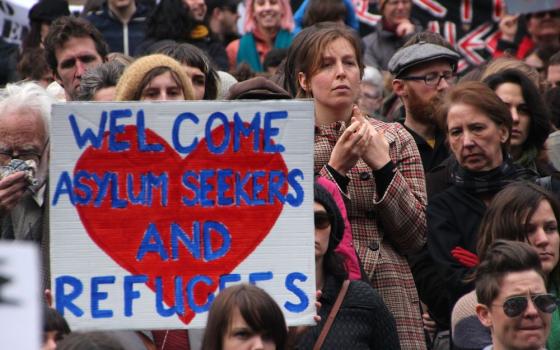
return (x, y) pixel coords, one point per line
(436, 198)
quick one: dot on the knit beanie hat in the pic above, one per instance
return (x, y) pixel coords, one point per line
(129, 83)
(323, 197)
(48, 10)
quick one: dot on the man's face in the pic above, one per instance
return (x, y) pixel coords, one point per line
(23, 133)
(74, 57)
(197, 7)
(553, 75)
(527, 331)
(120, 4)
(422, 100)
(229, 21)
(397, 11)
(542, 24)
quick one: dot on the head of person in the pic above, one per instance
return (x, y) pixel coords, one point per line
(371, 91)
(41, 15)
(395, 12)
(89, 341)
(33, 66)
(100, 83)
(170, 20)
(273, 60)
(329, 228)
(477, 125)
(224, 14)
(512, 296)
(198, 68)
(244, 317)
(268, 15)
(552, 98)
(324, 11)
(197, 9)
(553, 70)
(524, 212)
(72, 46)
(154, 78)
(329, 67)
(25, 110)
(423, 72)
(531, 122)
(55, 328)
(504, 63)
(543, 24)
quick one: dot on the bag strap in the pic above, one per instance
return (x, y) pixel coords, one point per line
(332, 315)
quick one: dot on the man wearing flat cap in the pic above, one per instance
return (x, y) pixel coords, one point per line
(422, 74)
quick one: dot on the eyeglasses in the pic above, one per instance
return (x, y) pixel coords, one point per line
(543, 14)
(322, 219)
(433, 79)
(7, 155)
(515, 306)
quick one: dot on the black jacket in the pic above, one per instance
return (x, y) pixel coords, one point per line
(362, 322)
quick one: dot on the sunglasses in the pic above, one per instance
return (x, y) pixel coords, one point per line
(543, 14)
(515, 306)
(322, 219)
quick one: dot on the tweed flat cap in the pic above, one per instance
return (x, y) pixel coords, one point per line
(422, 52)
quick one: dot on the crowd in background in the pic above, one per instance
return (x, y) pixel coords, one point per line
(425, 162)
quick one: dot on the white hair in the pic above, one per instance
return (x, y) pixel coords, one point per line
(373, 76)
(27, 96)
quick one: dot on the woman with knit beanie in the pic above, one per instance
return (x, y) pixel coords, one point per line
(363, 321)
(154, 78)
(268, 25)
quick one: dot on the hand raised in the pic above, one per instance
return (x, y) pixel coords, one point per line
(12, 188)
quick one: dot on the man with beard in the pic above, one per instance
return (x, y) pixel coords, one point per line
(423, 72)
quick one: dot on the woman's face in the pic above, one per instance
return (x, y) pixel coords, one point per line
(542, 233)
(240, 336)
(336, 83)
(475, 140)
(268, 13)
(512, 95)
(322, 230)
(162, 87)
(198, 80)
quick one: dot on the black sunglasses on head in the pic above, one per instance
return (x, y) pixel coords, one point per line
(515, 306)
(322, 219)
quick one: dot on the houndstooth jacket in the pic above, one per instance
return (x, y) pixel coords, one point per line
(388, 228)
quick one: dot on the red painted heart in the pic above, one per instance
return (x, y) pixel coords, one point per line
(119, 231)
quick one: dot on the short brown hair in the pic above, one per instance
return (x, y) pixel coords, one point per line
(309, 55)
(501, 258)
(481, 97)
(257, 308)
(65, 28)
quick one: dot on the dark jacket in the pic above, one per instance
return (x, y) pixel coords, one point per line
(431, 157)
(121, 37)
(363, 321)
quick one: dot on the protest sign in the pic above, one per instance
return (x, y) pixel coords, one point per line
(155, 207)
(20, 313)
(530, 6)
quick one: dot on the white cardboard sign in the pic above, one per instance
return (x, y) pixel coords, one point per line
(155, 207)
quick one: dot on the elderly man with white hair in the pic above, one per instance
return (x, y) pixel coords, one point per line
(25, 110)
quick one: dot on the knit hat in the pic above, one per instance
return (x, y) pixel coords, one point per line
(129, 83)
(257, 88)
(48, 10)
(323, 197)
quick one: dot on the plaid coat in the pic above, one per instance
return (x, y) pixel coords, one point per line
(385, 229)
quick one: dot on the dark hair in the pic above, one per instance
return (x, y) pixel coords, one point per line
(324, 11)
(481, 97)
(33, 64)
(501, 258)
(333, 264)
(191, 55)
(231, 5)
(53, 321)
(89, 341)
(309, 54)
(552, 98)
(274, 58)
(257, 308)
(540, 120)
(157, 71)
(170, 19)
(509, 213)
(65, 28)
(103, 76)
